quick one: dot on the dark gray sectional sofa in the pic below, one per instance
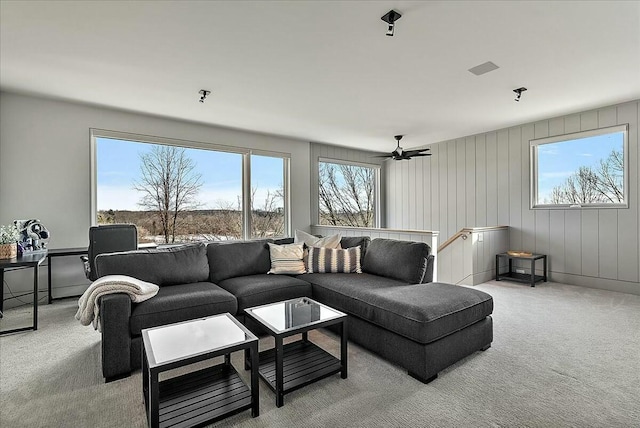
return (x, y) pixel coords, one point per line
(394, 309)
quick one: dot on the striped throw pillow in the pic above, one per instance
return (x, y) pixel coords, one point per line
(286, 259)
(333, 260)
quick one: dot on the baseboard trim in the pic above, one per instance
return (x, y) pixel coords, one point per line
(598, 283)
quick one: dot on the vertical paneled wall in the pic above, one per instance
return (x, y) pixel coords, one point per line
(483, 180)
(327, 151)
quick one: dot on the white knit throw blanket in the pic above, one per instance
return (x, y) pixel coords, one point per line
(89, 302)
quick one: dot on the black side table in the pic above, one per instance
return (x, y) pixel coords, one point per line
(206, 395)
(522, 277)
(61, 252)
(29, 261)
(286, 368)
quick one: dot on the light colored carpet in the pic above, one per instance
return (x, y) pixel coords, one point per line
(562, 356)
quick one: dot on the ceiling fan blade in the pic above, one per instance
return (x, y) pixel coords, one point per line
(415, 152)
(422, 154)
(382, 156)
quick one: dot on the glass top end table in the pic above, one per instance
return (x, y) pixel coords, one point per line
(282, 317)
(200, 396)
(182, 340)
(286, 368)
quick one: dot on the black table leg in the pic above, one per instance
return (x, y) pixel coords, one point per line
(533, 272)
(343, 348)
(154, 400)
(279, 372)
(544, 264)
(247, 359)
(145, 379)
(36, 272)
(1, 293)
(50, 298)
(255, 392)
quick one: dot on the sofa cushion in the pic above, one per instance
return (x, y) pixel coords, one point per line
(402, 260)
(356, 241)
(258, 290)
(423, 313)
(237, 258)
(162, 266)
(286, 259)
(333, 260)
(181, 303)
(332, 241)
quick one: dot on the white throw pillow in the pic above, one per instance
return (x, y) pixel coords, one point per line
(286, 259)
(332, 241)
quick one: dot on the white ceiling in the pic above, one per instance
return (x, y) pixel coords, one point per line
(325, 71)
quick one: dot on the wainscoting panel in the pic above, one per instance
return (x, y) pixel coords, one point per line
(485, 179)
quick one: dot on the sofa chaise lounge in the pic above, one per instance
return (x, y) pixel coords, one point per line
(394, 309)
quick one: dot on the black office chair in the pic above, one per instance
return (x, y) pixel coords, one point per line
(109, 238)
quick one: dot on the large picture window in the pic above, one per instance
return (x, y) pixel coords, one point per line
(584, 169)
(348, 193)
(176, 191)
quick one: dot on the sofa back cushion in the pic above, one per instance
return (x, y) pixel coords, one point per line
(356, 241)
(182, 264)
(402, 260)
(237, 258)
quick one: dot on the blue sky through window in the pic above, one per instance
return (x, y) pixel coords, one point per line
(557, 161)
(118, 166)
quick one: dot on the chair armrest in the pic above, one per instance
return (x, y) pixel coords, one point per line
(115, 312)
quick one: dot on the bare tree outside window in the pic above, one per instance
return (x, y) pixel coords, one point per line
(346, 195)
(585, 168)
(180, 194)
(267, 215)
(588, 185)
(169, 185)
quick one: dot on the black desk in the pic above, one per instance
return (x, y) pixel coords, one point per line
(61, 252)
(27, 260)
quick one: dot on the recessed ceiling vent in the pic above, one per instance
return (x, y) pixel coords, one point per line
(483, 68)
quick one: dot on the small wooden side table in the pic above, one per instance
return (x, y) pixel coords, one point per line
(531, 278)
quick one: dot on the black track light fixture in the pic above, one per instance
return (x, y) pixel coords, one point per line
(519, 92)
(203, 94)
(390, 18)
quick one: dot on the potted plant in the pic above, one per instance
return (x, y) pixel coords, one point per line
(9, 236)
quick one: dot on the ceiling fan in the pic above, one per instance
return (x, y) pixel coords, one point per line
(400, 154)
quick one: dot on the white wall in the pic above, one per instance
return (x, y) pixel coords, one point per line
(45, 168)
(45, 171)
(483, 180)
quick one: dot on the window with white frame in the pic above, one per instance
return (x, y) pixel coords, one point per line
(177, 191)
(583, 169)
(348, 193)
